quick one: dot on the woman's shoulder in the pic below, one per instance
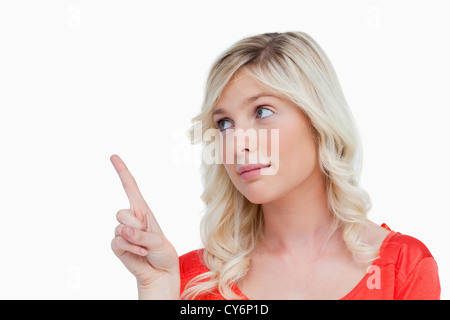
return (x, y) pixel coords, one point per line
(397, 247)
(407, 253)
(413, 265)
(191, 263)
(405, 248)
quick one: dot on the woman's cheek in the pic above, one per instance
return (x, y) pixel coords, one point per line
(226, 149)
(269, 148)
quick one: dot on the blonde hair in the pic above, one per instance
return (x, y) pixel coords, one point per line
(293, 65)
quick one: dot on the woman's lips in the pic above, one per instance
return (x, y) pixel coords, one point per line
(249, 167)
(252, 173)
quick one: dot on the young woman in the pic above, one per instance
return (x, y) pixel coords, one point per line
(292, 224)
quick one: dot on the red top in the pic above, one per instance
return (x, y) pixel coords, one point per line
(405, 269)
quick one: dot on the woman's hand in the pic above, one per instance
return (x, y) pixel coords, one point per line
(141, 245)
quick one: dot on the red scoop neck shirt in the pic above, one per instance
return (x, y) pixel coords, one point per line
(404, 270)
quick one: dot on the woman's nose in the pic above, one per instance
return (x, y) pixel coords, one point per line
(245, 143)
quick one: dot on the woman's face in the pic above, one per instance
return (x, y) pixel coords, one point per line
(291, 154)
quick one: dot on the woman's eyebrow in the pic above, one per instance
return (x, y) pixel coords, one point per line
(247, 101)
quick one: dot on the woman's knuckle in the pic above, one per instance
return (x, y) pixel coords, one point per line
(115, 243)
(120, 214)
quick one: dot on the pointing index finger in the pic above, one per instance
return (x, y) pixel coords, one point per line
(129, 184)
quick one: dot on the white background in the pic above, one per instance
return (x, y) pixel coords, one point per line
(82, 80)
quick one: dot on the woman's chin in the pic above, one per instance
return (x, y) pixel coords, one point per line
(258, 197)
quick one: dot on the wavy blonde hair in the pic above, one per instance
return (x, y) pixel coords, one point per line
(293, 65)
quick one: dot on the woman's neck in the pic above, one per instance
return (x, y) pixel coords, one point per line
(299, 220)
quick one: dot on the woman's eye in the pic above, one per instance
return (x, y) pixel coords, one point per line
(261, 112)
(220, 126)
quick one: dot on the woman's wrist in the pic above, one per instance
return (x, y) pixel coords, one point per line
(152, 292)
